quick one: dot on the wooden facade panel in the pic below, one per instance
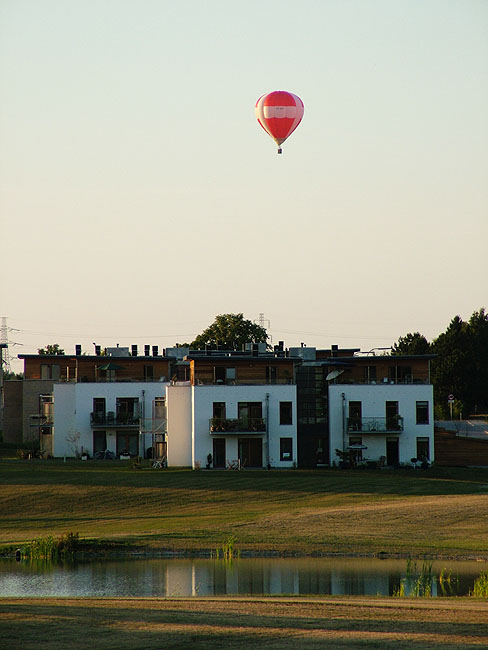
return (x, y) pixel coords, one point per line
(85, 369)
(251, 371)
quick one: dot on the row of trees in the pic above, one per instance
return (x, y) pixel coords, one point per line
(460, 367)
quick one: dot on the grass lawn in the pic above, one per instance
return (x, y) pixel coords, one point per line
(271, 624)
(438, 511)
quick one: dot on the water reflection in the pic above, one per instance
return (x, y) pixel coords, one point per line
(200, 577)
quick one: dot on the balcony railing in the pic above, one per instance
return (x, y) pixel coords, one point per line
(237, 425)
(384, 381)
(112, 419)
(374, 425)
(281, 381)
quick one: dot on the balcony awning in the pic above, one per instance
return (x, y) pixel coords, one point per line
(110, 366)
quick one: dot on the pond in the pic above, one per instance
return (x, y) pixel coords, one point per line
(207, 577)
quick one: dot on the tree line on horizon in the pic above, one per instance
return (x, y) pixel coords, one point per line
(460, 367)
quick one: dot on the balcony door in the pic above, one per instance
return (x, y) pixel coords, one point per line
(127, 410)
(355, 415)
(251, 452)
(391, 412)
(392, 451)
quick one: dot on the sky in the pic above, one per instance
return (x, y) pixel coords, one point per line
(139, 197)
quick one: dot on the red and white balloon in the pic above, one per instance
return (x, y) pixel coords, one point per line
(279, 113)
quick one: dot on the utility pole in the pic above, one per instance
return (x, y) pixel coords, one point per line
(3, 346)
(4, 339)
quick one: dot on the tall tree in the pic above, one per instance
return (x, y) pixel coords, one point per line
(415, 343)
(230, 331)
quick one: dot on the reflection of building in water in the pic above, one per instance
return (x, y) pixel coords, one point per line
(218, 577)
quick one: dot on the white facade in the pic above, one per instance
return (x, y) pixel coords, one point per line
(411, 400)
(178, 403)
(189, 410)
(74, 402)
(270, 396)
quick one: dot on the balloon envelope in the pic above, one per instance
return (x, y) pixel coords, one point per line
(279, 113)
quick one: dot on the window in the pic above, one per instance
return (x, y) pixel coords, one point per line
(286, 413)
(370, 374)
(99, 405)
(127, 443)
(422, 409)
(50, 371)
(159, 411)
(286, 448)
(355, 416)
(271, 374)
(127, 410)
(250, 416)
(219, 410)
(423, 449)
(148, 373)
(355, 448)
(392, 419)
(224, 375)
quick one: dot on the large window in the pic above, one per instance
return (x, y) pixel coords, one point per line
(422, 411)
(250, 416)
(286, 448)
(286, 413)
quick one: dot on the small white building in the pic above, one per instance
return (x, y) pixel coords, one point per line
(393, 422)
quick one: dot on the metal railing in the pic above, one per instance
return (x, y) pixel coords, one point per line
(237, 425)
(393, 424)
(111, 419)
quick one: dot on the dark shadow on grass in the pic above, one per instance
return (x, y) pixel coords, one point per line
(79, 625)
(435, 481)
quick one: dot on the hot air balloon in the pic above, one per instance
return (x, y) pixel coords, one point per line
(279, 113)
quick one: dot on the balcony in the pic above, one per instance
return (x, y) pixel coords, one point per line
(372, 425)
(279, 381)
(111, 419)
(237, 425)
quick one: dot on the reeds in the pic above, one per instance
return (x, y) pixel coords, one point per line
(50, 548)
(228, 550)
(480, 587)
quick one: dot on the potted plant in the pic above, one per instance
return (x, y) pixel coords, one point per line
(209, 461)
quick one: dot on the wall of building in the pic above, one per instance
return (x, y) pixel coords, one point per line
(12, 412)
(178, 409)
(202, 408)
(31, 391)
(73, 404)
(373, 398)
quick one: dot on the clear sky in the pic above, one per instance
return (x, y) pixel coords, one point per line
(140, 197)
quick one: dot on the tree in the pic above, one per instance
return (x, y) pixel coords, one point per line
(230, 331)
(415, 343)
(461, 365)
(53, 349)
